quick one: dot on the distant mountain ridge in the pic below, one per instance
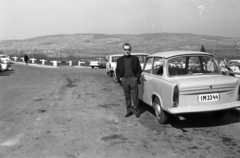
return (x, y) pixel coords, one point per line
(103, 44)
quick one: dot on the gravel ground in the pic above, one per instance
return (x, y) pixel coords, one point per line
(79, 113)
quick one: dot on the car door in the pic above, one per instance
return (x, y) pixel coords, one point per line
(145, 88)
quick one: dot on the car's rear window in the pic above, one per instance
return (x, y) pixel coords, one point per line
(192, 65)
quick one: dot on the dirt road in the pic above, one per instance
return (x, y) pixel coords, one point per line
(71, 113)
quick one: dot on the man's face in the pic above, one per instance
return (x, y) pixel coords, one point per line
(126, 50)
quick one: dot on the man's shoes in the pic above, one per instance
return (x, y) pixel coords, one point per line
(129, 114)
(137, 115)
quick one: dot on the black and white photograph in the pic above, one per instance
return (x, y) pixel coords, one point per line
(119, 79)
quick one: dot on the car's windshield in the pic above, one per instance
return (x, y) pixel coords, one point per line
(190, 65)
(114, 58)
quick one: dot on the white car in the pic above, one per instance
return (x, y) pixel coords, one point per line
(111, 63)
(5, 66)
(191, 88)
(5, 58)
(142, 58)
(234, 65)
(98, 62)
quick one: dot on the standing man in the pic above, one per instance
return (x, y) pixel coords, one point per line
(128, 72)
(223, 64)
(26, 59)
(210, 65)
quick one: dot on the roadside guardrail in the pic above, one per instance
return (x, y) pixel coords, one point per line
(54, 63)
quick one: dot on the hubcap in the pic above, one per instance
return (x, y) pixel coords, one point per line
(157, 110)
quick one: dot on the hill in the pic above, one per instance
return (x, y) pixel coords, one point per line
(103, 44)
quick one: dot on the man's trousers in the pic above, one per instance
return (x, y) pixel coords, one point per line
(130, 88)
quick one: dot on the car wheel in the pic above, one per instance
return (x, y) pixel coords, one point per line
(107, 73)
(161, 115)
(219, 114)
(92, 67)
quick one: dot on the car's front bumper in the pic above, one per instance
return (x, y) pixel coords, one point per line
(205, 108)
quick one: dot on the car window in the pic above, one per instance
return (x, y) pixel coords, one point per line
(157, 66)
(188, 65)
(141, 58)
(148, 65)
(234, 62)
(114, 59)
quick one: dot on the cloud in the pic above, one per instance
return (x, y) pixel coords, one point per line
(201, 7)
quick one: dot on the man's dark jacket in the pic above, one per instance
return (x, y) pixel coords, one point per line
(135, 64)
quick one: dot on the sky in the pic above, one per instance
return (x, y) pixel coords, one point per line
(22, 19)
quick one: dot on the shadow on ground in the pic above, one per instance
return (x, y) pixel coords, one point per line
(6, 73)
(195, 120)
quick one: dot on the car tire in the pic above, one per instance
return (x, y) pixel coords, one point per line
(92, 67)
(219, 114)
(107, 73)
(161, 115)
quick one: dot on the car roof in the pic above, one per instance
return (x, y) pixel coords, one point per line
(234, 62)
(169, 54)
(140, 54)
(116, 55)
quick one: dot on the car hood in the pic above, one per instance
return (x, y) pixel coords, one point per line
(205, 82)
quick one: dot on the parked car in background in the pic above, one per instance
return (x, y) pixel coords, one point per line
(98, 62)
(5, 66)
(234, 66)
(142, 58)
(4, 58)
(198, 86)
(111, 63)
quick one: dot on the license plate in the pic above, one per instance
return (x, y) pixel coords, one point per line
(208, 97)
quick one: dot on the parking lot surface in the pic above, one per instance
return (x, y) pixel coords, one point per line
(79, 113)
